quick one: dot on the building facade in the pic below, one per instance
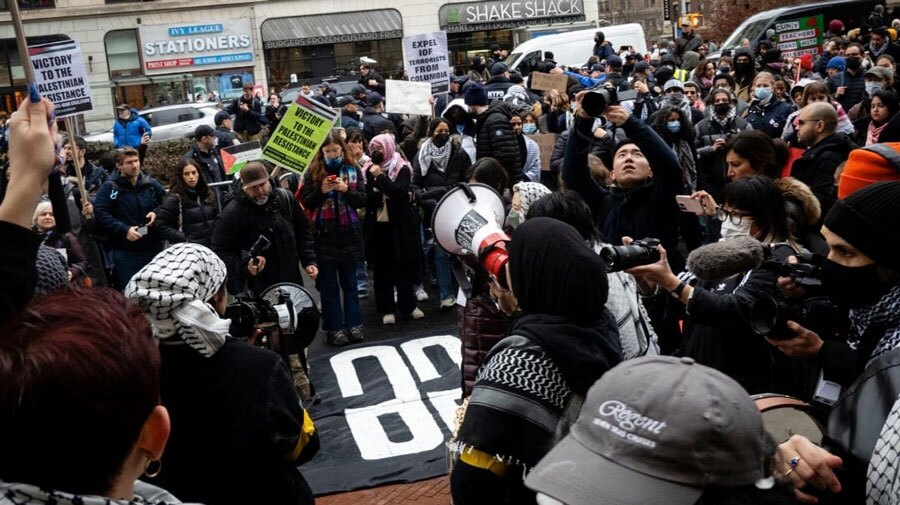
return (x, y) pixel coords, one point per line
(156, 52)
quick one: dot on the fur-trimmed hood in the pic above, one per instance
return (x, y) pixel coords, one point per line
(799, 192)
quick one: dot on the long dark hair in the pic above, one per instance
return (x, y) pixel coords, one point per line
(765, 154)
(891, 101)
(489, 171)
(662, 117)
(437, 122)
(569, 207)
(761, 198)
(180, 188)
(317, 167)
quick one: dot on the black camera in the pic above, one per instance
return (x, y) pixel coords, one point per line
(595, 101)
(769, 315)
(261, 245)
(623, 257)
(285, 314)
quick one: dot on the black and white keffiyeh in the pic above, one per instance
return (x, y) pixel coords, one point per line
(529, 192)
(884, 315)
(430, 153)
(173, 290)
(883, 474)
(12, 493)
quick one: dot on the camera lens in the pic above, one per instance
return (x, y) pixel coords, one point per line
(594, 102)
(623, 257)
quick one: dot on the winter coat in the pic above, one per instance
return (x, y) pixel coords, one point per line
(711, 168)
(604, 50)
(410, 144)
(374, 123)
(119, 205)
(335, 245)
(77, 263)
(803, 213)
(531, 165)
(481, 325)
(431, 187)
(403, 222)
(210, 162)
(856, 87)
(769, 119)
(225, 137)
(93, 175)
(282, 221)
(378, 88)
(497, 87)
(349, 120)
(495, 139)
(249, 121)
(598, 148)
(128, 132)
(191, 220)
(817, 165)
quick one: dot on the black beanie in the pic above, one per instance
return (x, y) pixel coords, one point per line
(475, 95)
(868, 221)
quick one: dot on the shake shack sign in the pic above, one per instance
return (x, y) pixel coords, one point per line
(507, 14)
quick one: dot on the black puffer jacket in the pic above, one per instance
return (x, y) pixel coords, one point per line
(191, 220)
(495, 139)
(711, 168)
(817, 166)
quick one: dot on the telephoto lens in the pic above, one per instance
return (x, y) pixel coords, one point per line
(623, 257)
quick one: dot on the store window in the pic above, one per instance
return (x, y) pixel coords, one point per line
(122, 53)
(464, 47)
(29, 4)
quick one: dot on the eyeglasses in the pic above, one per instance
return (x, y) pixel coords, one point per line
(801, 122)
(722, 214)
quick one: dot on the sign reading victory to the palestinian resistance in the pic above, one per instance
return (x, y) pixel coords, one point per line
(800, 36)
(60, 76)
(299, 135)
(427, 60)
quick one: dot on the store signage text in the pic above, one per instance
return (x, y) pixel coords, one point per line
(208, 45)
(333, 39)
(518, 10)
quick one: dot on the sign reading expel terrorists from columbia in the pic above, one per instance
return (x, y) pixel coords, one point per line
(180, 48)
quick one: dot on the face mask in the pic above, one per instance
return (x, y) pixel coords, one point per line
(377, 157)
(529, 128)
(731, 230)
(724, 70)
(460, 128)
(513, 218)
(872, 88)
(762, 93)
(440, 140)
(854, 64)
(722, 108)
(334, 163)
(673, 126)
(742, 67)
(852, 287)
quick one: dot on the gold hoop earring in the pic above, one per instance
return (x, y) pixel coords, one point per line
(156, 468)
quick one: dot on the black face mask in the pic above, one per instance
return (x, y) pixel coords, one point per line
(854, 63)
(377, 157)
(743, 67)
(628, 68)
(440, 140)
(852, 287)
(722, 108)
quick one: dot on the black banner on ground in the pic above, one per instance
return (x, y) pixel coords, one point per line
(386, 412)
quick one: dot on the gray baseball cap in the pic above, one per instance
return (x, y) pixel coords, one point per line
(656, 430)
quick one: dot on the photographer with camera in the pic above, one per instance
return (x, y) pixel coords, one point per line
(719, 333)
(240, 429)
(713, 133)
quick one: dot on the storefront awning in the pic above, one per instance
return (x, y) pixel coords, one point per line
(332, 28)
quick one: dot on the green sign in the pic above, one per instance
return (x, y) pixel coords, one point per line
(800, 36)
(298, 137)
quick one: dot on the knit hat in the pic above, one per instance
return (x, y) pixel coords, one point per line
(656, 427)
(867, 166)
(52, 273)
(475, 95)
(835, 26)
(867, 220)
(499, 68)
(806, 61)
(837, 62)
(254, 174)
(673, 83)
(203, 130)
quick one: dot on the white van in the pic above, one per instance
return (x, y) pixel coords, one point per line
(574, 48)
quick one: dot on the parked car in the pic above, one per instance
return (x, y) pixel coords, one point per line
(341, 88)
(574, 48)
(171, 121)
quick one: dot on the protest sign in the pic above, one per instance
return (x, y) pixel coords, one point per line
(60, 76)
(299, 135)
(545, 142)
(800, 36)
(235, 157)
(404, 97)
(427, 60)
(542, 82)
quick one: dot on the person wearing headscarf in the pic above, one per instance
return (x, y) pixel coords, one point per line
(559, 343)
(241, 431)
(392, 240)
(524, 194)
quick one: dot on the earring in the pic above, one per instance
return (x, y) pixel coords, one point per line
(157, 467)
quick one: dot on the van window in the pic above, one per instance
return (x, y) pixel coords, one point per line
(748, 30)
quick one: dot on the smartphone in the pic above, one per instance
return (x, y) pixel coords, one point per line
(142, 231)
(332, 178)
(688, 204)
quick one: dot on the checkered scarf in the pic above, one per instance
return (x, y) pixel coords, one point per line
(173, 289)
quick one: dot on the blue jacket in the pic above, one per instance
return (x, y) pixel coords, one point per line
(587, 81)
(128, 133)
(119, 206)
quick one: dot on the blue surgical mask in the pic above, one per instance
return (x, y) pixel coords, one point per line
(674, 126)
(513, 218)
(762, 93)
(529, 128)
(334, 163)
(460, 128)
(872, 87)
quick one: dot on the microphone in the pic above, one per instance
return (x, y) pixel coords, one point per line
(727, 258)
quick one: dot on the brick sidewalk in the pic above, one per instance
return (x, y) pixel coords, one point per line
(427, 492)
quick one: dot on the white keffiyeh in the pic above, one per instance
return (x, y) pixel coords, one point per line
(173, 289)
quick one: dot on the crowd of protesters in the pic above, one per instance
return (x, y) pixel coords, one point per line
(579, 382)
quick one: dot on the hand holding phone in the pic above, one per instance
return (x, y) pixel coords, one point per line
(688, 204)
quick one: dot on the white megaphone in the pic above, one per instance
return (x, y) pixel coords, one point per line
(468, 221)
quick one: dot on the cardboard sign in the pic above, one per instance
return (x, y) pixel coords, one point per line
(427, 60)
(404, 97)
(542, 82)
(299, 135)
(545, 142)
(61, 76)
(800, 36)
(236, 157)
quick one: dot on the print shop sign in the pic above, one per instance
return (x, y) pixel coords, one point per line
(499, 14)
(167, 48)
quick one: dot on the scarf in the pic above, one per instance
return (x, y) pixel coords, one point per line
(12, 493)
(883, 315)
(883, 473)
(336, 215)
(725, 121)
(173, 290)
(393, 160)
(873, 133)
(529, 192)
(431, 154)
(685, 153)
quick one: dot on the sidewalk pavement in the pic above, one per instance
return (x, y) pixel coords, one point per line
(426, 492)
